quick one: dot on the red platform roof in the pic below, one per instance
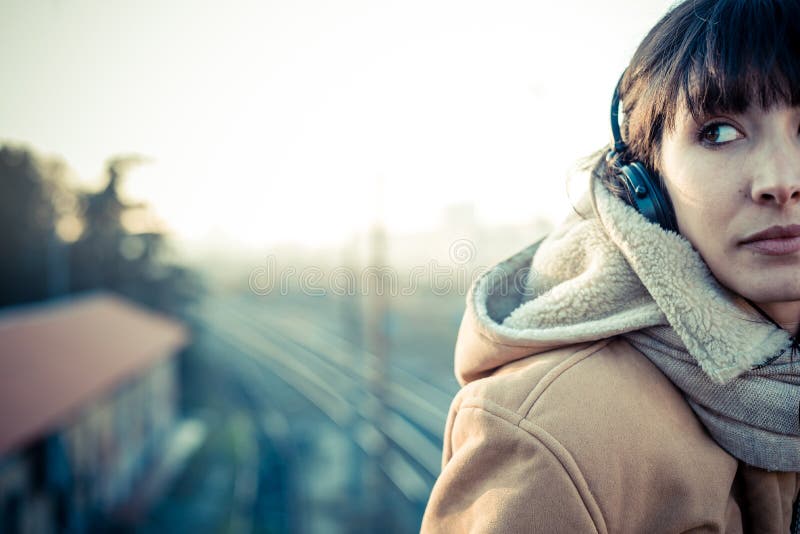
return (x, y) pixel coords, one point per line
(55, 358)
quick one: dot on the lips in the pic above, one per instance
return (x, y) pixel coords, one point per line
(775, 241)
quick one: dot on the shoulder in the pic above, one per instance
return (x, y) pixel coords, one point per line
(607, 382)
(610, 371)
(593, 399)
(501, 474)
(604, 423)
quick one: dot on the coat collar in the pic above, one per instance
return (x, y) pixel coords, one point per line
(604, 275)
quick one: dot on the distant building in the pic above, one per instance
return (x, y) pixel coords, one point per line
(88, 401)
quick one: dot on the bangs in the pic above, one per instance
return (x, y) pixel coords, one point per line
(720, 56)
(744, 54)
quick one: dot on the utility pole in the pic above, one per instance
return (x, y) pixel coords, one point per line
(377, 343)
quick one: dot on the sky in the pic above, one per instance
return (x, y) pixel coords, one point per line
(306, 120)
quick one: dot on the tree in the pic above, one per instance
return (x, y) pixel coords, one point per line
(109, 256)
(55, 240)
(27, 218)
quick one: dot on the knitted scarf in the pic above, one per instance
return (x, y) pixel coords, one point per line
(618, 274)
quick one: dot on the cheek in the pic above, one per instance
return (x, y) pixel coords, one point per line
(704, 209)
(700, 226)
(703, 188)
(688, 199)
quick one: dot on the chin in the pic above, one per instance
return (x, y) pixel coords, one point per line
(765, 289)
(760, 279)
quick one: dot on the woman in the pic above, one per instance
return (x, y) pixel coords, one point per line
(637, 371)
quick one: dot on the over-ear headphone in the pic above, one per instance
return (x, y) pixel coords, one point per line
(642, 186)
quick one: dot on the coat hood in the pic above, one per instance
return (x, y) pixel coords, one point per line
(604, 275)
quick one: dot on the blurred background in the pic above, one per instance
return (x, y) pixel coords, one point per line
(236, 239)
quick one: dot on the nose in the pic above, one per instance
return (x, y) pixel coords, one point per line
(777, 179)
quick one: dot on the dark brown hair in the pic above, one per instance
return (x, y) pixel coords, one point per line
(710, 56)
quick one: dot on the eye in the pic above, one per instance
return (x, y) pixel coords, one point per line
(718, 134)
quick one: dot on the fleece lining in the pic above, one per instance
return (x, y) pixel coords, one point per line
(617, 272)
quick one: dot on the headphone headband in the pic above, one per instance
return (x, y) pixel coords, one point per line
(619, 144)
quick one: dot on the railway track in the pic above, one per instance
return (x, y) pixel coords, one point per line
(399, 427)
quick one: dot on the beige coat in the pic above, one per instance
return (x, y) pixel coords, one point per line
(563, 426)
(592, 438)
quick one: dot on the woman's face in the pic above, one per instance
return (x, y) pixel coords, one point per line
(734, 180)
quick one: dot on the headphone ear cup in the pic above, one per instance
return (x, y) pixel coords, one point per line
(647, 196)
